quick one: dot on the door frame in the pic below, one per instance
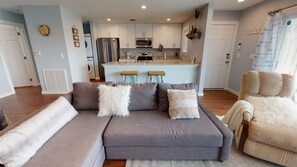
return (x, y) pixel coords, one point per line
(26, 50)
(236, 23)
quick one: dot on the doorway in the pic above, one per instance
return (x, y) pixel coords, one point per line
(220, 50)
(17, 56)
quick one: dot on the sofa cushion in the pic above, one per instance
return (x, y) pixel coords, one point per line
(77, 144)
(278, 136)
(154, 128)
(85, 95)
(183, 104)
(114, 101)
(143, 97)
(163, 103)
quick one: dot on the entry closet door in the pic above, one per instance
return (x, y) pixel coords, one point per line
(14, 55)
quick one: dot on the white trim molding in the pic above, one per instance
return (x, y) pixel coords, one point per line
(7, 94)
(236, 23)
(48, 92)
(232, 91)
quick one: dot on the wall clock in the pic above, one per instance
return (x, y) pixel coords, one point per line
(44, 30)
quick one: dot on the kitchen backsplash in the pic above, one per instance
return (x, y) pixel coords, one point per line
(155, 52)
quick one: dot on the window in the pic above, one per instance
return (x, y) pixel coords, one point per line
(288, 52)
(287, 62)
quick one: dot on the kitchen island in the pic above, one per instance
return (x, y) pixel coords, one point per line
(176, 71)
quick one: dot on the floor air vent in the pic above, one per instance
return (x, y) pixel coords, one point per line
(55, 81)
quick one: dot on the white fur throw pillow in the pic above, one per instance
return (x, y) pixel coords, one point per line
(114, 101)
(274, 110)
(183, 104)
(19, 144)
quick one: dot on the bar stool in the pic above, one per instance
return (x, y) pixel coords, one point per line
(157, 74)
(124, 75)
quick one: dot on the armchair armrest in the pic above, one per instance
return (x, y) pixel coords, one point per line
(247, 117)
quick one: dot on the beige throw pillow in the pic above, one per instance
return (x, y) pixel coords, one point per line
(183, 104)
(114, 101)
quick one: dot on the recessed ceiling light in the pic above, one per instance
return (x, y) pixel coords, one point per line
(240, 0)
(168, 19)
(108, 19)
(143, 7)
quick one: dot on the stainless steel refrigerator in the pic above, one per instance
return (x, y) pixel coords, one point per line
(108, 51)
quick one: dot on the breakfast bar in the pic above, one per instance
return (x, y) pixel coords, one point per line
(176, 72)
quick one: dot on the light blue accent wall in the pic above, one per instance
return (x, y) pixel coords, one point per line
(11, 17)
(221, 15)
(50, 47)
(253, 17)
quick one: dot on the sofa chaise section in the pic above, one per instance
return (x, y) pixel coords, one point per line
(77, 144)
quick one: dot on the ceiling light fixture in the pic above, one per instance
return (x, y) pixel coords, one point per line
(143, 7)
(240, 0)
(168, 19)
(108, 19)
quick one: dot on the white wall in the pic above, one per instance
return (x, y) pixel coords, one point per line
(76, 55)
(252, 17)
(6, 87)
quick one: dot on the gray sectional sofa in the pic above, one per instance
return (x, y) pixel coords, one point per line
(148, 133)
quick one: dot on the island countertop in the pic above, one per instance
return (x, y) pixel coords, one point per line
(152, 63)
(176, 71)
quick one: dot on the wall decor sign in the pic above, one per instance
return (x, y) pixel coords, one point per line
(44, 30)
(75, 36)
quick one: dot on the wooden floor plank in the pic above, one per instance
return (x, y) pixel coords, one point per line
(29, 99)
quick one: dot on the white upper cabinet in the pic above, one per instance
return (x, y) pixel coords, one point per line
(173, 35)
(144, 30)
(158, 35)
(169, 35)
(109, 30)
(127, 35)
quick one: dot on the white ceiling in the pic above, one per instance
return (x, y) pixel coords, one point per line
(120, 11)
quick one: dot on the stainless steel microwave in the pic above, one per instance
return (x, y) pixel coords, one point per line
(144, 43)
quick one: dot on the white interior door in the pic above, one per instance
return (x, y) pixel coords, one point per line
(219, 54)
(14, 56)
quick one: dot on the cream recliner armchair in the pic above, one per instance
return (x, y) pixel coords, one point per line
(265, 141)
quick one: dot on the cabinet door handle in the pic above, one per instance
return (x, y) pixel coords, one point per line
(227, 62)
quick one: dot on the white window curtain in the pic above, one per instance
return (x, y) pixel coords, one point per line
(288, 53)
(267, 49)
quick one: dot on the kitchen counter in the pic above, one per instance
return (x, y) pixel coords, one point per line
(150, 63)
(176, 71)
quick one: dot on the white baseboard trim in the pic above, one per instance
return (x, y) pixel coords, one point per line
(200, 94)
(36, 84)
(47, 92)
(7, 94)
(233, 91)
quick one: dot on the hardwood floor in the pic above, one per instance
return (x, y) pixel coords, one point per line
(29, 99)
